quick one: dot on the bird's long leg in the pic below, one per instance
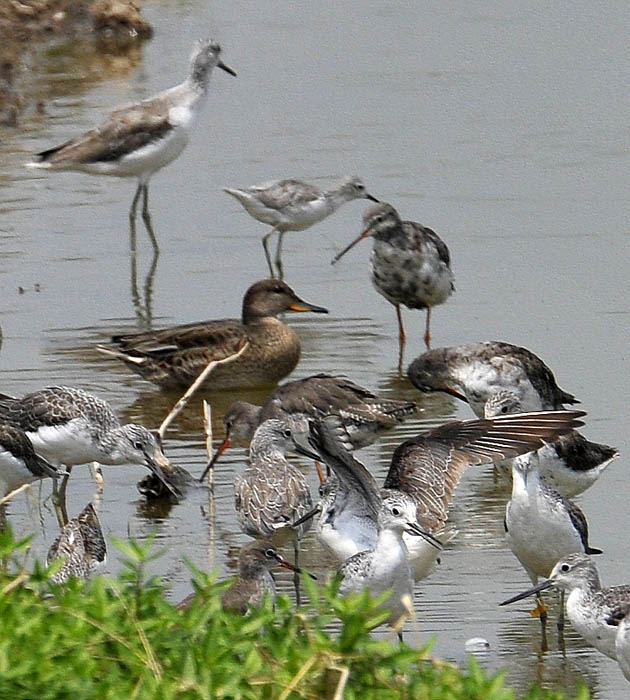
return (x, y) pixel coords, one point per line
(560, 622)
(279, 254)
(265, 242)
(134, 204)
(296, 576)
(427, 329)
(541, 611)
(148, 289)
(402, 338)
(97, 473)
(59, 498)
(146, 217)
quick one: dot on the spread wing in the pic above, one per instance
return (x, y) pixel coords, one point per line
(329, 439)
(429, 467)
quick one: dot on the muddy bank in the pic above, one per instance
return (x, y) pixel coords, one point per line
(111, 25)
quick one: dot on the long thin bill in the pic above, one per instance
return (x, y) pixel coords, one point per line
(365, 234)
(227, 69)
(287, 565)
(220, 450)
(157, 470)
(547, 583)
(307, 516)
(415, 529)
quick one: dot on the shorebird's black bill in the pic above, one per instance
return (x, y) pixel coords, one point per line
(547, 583)
(453, 392)
(159, 472)
(305, 452)
(220, 450)
(365, 234)
(172, 489)
(416, 530)
(307, 516)
(227, 69)
(372, 199)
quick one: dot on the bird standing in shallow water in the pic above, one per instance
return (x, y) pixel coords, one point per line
(272, 494)
(426, 468)
(69, 426)
(256, 560)
(385, 566)
(81, 544)
(139, 140)
(364, 414)
(411, 265)
(294, 205)
(476, 371)
(541, 527)
(589, 606)
(175, 356)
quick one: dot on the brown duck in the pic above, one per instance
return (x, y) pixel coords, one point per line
(174, 357)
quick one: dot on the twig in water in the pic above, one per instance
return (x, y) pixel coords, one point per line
(177, 408)
(9, 496)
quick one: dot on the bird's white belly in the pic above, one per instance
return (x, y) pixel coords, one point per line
(144, 161)
(539, 535)
(156, 155)
(68, 444)
(342, 545)
(393, 573)
(301, 217)
(13, 473)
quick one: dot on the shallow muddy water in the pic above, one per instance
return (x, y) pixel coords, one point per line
(499, 124)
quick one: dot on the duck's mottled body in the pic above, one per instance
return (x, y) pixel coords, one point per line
(175, 356)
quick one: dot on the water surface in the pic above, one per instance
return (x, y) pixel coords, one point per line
(498, 124)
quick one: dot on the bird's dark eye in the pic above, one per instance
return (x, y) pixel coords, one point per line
(504, 409)
(137, 445)
(286, 433)
(565, 568)
(270, 553)
(396, 511)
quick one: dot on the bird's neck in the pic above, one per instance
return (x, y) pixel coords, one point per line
(335, 198)
(110, 442)
(262, 448)
(199, 79)
(525, 482)
(389, 544)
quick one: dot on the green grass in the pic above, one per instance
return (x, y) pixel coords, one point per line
(121, 640)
